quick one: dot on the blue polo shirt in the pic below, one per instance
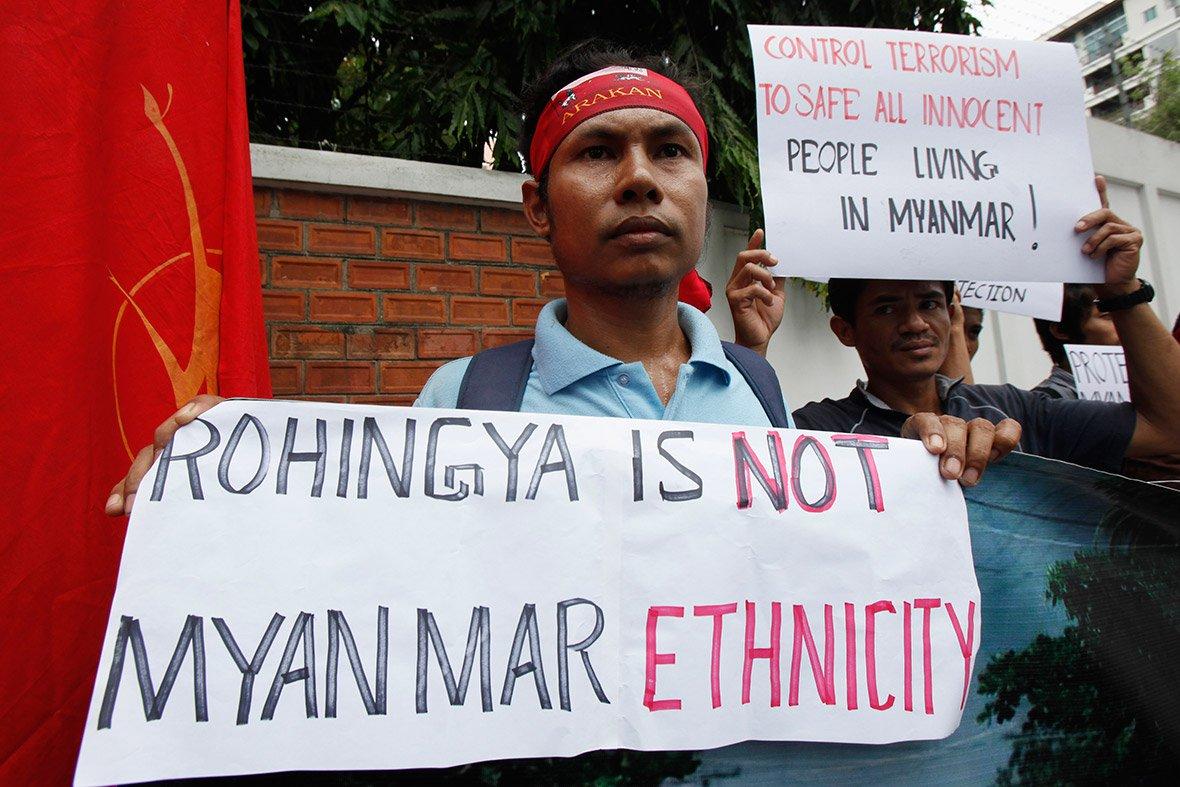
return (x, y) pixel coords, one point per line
(569, 377)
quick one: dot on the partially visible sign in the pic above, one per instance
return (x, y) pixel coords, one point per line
(309, 586)
(1099, 372)
(1030, 298)
(902, 154)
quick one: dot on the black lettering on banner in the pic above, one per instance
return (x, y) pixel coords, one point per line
(479, 634)
(686, 494)
(636, 467)
(511, 454)
(190, 461)
(399, 480)
(373, 699)
(449, 474)
(345, 455)
(289, 455)
(192, 635)
(555, 436)
(582, 648)
(249, 669)
(231, 446)
(526, 627)
(304, 630)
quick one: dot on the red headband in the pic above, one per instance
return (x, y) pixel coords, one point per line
(616, 87)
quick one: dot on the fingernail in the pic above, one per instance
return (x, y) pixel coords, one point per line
(189, 409)
(1086, 248)
(1081, 225)
(953, 466)
(936, 441)
(971, 477)
(129, 502)
(114, 500)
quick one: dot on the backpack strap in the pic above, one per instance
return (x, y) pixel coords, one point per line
(496, 378)
(762, 379)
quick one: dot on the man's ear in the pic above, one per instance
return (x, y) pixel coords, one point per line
(843, 330)
(536, 211)
(1059, 334)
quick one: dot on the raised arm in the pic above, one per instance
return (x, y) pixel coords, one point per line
(755, 297)
(958, 358)
(1153, 357)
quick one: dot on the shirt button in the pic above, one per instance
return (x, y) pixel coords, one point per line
(624, 379)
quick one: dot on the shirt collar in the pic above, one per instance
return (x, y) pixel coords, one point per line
(561, 360)
(943, 385)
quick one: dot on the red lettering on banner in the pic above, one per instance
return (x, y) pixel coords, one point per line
(907, 660)
(771, 653)
(825, 676)
(926, 605)
(871, 652)
(655, 659)
(717, 612)
(850, 655)
(966, 644)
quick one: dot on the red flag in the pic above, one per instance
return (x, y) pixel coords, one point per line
(129, 272)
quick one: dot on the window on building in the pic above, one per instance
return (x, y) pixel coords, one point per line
(1104, 34)
(1149, 14)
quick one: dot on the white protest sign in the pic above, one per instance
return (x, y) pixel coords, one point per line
(1030, 298)
(1099, 372)
(310, 586)
(907, 155)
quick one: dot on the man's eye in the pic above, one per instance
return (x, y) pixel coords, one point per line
(672, 150)
(884, 310)
(596, 152)
(930, 304)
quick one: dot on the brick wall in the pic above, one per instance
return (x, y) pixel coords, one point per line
(364, 296)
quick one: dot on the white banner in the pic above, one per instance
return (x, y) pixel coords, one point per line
(1030, 298)
(311, 586)
(907, 155)
(1099, 372)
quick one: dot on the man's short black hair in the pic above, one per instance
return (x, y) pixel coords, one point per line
(1076, 306)
(578, 61)
(844, 293)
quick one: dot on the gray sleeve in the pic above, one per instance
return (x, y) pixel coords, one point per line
(1087, 433)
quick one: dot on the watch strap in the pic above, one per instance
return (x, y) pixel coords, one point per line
(1145, 294)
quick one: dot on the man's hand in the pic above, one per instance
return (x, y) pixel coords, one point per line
(755, 297)
(1114, 241)
(966, 448)
(123, 493)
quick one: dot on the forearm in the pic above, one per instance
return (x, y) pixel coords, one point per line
(958, 360)
(1153, 371)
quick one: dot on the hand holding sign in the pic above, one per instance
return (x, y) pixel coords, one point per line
(1113, 241)
(122, 496)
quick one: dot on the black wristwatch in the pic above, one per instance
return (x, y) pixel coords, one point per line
(1145, 294)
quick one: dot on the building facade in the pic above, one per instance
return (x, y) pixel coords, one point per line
(1120, 44)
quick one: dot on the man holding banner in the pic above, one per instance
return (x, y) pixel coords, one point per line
(900, 329)
(618, 154)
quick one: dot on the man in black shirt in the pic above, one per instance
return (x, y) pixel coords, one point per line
(900, 330)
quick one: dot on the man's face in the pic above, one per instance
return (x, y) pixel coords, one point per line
(626, 203)
(972, 327)
(901, 329)
(1098, 328)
